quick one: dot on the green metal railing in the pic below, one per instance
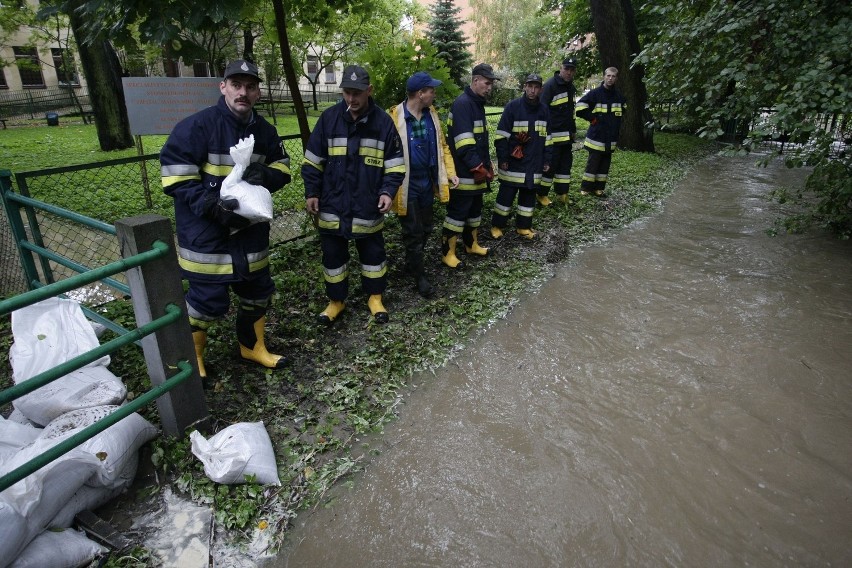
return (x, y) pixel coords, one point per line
(41, 291)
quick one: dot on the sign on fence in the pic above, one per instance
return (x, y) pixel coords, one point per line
(156, 104)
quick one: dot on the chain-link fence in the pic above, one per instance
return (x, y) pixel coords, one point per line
(32, 104)
(109, 191)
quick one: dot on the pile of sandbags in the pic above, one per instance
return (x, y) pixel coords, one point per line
(34, 510)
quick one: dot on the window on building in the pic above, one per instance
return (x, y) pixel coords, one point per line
(313, 67)
(200, 68)
(66, 73)
(329, 74)
(29, 67)
(3, 83)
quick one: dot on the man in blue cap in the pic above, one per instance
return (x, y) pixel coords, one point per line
(430, 172)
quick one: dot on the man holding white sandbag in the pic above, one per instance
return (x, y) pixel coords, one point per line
(218, 247)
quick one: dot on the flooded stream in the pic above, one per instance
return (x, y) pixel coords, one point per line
(679, 394)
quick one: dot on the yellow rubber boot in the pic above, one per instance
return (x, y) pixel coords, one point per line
(257, 352)
(380, 314)
(543, 200)
(474, 248)
(449, 250)
(563, 198)
(496, 232)
(526, 233)
(199, 338)
(331, 311)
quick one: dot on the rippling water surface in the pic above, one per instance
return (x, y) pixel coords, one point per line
(679, 395)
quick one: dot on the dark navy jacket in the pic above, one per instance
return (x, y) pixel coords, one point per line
(523, 115)
(558, 95)
(193, 163)
(348, 165)
(603, 108)
(467, 135)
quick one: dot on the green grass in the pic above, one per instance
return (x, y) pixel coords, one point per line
(33, 146)
(347, 380)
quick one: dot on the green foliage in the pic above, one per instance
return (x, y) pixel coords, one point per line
(574, 25)
(391, 61)
(445, 35)
(825, 201)
(501, 96)
(534, 46)
(773, 69)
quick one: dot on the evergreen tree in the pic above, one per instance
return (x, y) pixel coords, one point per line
(446, 36)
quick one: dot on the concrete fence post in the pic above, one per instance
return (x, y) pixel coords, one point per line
(153, 286)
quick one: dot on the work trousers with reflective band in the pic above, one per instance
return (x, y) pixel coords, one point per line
(417, 226)
(597, 171)
(335, 264)
(559, 176)
(503, 206)
(208, 301)
(464, 213)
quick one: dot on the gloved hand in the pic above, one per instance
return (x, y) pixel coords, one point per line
(258, 174)
(522, 137)
(480, 174)
(594, 121)
(518, 152)
(222, 212)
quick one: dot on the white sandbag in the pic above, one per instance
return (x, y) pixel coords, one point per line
(18, 416)
(14, 436)
(46, 335)
(114, 447)
(13, 533)
(28, 506)
(64, 548)
(89, 498)
(49, 333)
(255, 200)
(235, 452)
(83, 388)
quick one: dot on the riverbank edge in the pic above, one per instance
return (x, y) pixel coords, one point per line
(349, 380)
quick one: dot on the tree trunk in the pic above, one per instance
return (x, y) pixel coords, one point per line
(618, 43)
(248, 44)
(106, 94)
(290, 72)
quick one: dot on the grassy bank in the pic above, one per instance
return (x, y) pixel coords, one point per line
(348, 380)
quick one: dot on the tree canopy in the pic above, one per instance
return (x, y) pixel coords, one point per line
(446, 36)
(764, 69)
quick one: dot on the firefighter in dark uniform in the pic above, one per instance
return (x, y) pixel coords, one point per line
(603, 108)
(558, 95)
(353, 168)
(218, 250)
(468, 139)
(523, 150)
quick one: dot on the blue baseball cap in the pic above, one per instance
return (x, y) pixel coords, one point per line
(421, 80)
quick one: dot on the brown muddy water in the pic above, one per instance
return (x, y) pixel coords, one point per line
(677, 395)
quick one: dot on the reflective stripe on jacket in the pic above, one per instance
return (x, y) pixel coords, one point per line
(558, 95)
(348, 165)
(604, 107)
(193, 162)
(467, 135)
(521, 115)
